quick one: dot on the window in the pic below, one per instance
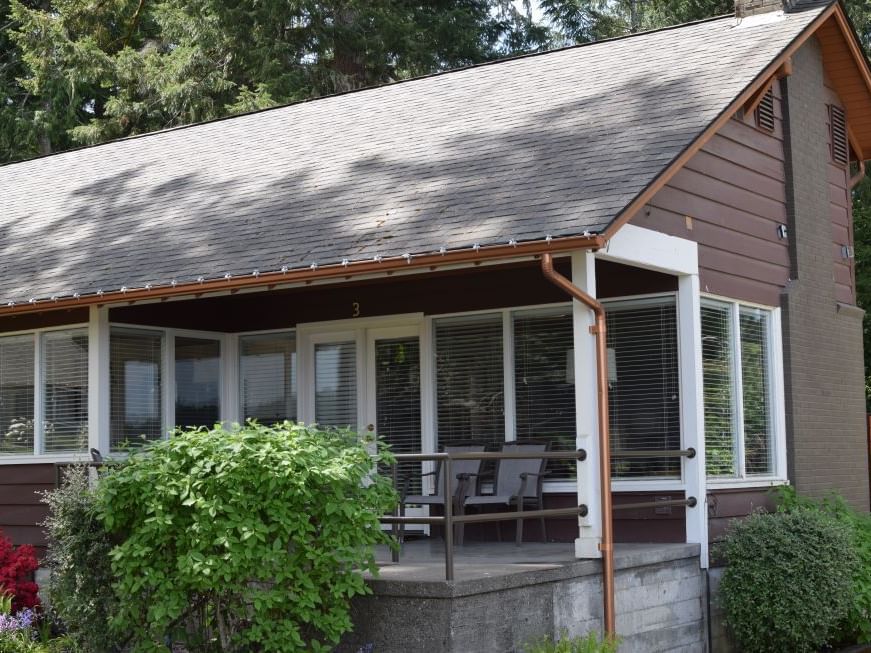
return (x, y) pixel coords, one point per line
(16, 394)
(135, 383)
(65, 394)
(470, 399)
(336, 384)
(544, 384)
(736, 361)
(644, 386)
(267, 377)
(197, 382)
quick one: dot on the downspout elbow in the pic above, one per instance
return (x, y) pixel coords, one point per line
(859, 176)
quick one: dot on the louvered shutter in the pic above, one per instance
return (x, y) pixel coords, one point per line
(643, 397)
(135, 378)
(16, 394)
(719, 392)
(755, 391)
(544, 382)
(765, 111)
(470, 385)
(838, 135)
(336, 384)
(267, 377)
(65, 366)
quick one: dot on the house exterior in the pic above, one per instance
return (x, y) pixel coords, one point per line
(373, 259)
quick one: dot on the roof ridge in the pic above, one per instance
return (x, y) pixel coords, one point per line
(440, 73)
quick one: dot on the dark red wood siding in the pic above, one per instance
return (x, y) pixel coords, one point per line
(730, 198)
(21, 507)
(840, 213)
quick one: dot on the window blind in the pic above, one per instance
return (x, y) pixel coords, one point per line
(336, 384)
(469, 380)
(65, 364)
(643, 398)
(197, 382)
(135, 380)
(267, 377)
(544, 384)
(397, 400)
(16, 394)
(755, 391)
(718, 378)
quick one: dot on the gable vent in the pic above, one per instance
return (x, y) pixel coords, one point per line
(765, 111)
(838, 129)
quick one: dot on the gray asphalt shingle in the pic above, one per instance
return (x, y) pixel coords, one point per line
(552, 144)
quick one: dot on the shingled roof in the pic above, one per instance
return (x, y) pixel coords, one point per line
(551, 144)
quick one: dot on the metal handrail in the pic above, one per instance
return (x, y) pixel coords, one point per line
(449, 520)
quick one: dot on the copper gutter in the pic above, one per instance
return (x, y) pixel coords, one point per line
(607, 544)
(860, 156)
(346, 270)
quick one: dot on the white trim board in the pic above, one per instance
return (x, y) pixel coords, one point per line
(651, 250)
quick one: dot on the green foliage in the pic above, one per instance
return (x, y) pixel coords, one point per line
(590, 643)
(856, 628)
(79, 590)
(254, 536)
(78, 71)
(788, 581)
(24, 643)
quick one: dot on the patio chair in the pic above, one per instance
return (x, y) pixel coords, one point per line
(462, 471)
(517, 484)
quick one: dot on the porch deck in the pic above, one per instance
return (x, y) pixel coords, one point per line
(423, 560)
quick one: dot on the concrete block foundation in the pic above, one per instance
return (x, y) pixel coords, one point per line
(661, 605)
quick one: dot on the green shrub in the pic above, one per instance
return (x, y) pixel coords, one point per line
(590, 643)
(788, 581)
(856, 628)
(244, 539)
(79, 589)
(26, 644)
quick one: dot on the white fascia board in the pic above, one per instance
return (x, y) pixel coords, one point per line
(652, 250)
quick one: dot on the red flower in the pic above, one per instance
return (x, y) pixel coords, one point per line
(16, 571)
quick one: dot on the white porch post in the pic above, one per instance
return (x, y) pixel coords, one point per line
(692, 410)
(586, 415)
(98, 379)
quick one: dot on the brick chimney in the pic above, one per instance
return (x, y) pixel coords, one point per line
(744, 8)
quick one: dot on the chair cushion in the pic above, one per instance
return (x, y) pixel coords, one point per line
(489, 500)
(424, 499)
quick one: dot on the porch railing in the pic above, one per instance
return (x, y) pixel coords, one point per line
(449, 519)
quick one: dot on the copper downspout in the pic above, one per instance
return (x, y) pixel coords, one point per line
(607, 545)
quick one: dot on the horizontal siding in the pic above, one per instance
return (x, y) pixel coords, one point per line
(840, 214)
(730, 198)
(725, 506)
(21, 507)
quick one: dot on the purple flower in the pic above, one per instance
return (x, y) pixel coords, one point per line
(18, 622)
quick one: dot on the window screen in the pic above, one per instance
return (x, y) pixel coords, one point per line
(267, 377)
(544, 384)
(643, 398)
(717, 374)
(135, 387)
(65, 366)
(336, 384)
(755, 391)
(469, 380)
(16, 394)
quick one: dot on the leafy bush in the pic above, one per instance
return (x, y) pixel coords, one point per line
(590, 643)
(17, 565)
(856, 628)
(241, 539)
(788, 581)
(79, 589)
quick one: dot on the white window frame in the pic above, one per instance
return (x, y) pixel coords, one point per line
(39, 455)
(775, 397)
(428, 384)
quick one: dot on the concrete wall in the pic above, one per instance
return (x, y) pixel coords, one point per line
(660, 605)
(822, 338)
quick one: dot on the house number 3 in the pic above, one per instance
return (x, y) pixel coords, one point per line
(355, 309)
